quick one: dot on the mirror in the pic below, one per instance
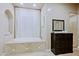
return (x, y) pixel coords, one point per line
(57, 25)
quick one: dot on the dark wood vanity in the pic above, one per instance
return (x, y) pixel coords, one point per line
(61, 43)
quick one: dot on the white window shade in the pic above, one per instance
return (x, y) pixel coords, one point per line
(27, 23)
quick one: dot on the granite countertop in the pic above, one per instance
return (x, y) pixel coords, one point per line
(61, 32)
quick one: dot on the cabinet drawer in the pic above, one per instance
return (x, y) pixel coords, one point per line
(60, 35)
(59, 51)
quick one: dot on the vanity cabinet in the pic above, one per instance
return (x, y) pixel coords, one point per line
(61, 43)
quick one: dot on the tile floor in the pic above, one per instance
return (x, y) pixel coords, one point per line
(47, 53)
(39, 53)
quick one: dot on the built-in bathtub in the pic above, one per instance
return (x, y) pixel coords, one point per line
(24, 45)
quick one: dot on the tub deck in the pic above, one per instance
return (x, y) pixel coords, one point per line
(24, 40)
(13, 47)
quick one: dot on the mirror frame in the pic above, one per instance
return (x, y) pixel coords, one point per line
(59, 23)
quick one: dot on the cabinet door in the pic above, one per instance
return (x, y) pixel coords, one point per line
(63, 40)
(63, 43)
(69, 41)
(60, 40)
(52, 41)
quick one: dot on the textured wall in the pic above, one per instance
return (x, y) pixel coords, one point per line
(78, 24)
(58, 11)
(4, 22)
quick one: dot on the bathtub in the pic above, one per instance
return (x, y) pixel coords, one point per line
(24, 45)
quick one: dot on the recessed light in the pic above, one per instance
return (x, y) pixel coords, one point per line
(48, 9)
(34, 5)
(21, 3)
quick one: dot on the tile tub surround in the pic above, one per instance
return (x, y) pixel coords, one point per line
(16, 48)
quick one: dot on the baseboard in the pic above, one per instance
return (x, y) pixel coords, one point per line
(76, 48)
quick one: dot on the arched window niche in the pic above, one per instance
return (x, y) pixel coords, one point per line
(10, 22)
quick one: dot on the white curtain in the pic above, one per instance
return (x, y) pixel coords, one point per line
(27, 23)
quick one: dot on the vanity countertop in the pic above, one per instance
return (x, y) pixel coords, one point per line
(61, 32)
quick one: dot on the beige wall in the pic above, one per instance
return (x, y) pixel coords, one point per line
(73, 27)
(58, 11)
(3, 17)
(4, 21)
(78, 24)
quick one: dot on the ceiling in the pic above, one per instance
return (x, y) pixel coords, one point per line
(29, 5)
